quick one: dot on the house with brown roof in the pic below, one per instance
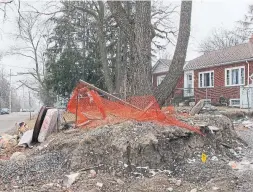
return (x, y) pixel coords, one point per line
(216, 75)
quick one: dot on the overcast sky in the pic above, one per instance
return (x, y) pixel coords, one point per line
(206, 15)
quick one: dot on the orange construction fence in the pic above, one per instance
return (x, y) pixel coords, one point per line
(94, 110)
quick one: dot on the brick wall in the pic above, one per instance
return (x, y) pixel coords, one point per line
(219, 89)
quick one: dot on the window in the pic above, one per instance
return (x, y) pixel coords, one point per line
(189, 77)
(235, 102)
(235, 76)
(206, 79)
(160, 79)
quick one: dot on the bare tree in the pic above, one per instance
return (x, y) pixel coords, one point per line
(32, 35)
(162, 21)
(165, 89)
(248, 19)
(4, 5)
(222, 38)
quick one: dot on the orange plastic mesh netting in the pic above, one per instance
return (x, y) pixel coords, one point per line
(95, 110)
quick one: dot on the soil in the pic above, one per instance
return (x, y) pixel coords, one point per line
(131, 157)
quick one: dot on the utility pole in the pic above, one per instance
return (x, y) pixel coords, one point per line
(23, 98)
(10, 94)
(30, 106)
(1, 89)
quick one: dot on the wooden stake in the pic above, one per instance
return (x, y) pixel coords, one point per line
(107, 94)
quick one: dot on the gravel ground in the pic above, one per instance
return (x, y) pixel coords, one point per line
(246, 176)
(134, 157)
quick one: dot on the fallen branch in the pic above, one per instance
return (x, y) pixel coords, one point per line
(107, 94)
(225, 145)
(89, 168)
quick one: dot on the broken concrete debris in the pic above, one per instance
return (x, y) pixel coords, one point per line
(215, 188)
(26, 135)
(100, 185)
(70, 179)
(120, 182)
(213, 128)
(194, 190)
(241, 165)
(248, 124)
(155, 164)
(135, 156)
(18, 156)
(93, 173)
(196, 109)
(8, 141)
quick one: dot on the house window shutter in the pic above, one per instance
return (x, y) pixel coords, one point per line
(212, 79)
(228, 77)
(242, 76)
(200, 81)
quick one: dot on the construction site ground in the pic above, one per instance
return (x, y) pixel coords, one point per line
(137, 156)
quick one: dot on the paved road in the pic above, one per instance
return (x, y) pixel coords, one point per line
(7, 122)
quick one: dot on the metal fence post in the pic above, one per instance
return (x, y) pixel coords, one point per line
(248, 98)
(77, 102)
(206, 93)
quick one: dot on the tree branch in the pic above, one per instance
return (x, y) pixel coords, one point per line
(120, 15)
(6, 2)
(29, 87)
(91, 12)
(22, 54)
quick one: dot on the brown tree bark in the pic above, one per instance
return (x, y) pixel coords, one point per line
(141, 69)
(139, 35)
(119, 72)
(102, 46)
(165, 89)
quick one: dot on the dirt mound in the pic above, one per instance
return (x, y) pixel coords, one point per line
(127, 150)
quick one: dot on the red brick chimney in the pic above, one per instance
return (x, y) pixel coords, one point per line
(250, 44)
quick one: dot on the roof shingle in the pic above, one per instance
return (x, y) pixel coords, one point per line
(221, 57)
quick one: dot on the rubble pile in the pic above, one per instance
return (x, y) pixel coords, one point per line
(129, 156)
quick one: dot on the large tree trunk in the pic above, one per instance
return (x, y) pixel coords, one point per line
(102, 46)
(139, 36)
(121, 65)
(169, 83)
(140, 82)
(118, 72)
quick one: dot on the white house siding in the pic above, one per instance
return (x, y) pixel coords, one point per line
(161, 67)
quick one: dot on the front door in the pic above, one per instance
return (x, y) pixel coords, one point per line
(188, 84)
